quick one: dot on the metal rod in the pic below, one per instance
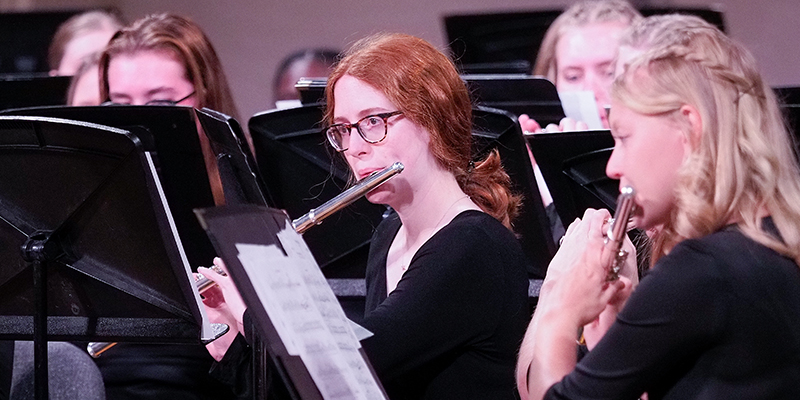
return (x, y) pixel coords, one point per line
(316, 215)
(617, 228)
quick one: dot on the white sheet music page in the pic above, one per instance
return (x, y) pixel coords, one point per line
(307, 316)
(581, 106)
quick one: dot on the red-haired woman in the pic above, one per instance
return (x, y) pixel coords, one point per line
(446, 278)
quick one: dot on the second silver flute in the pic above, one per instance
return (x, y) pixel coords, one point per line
(300, 225)
(618, 227)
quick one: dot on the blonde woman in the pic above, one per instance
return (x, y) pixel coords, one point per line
(577, 54)
(699, 136)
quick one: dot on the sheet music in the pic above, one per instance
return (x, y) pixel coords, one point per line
(581, 106)
(285, 104)
(307, 316)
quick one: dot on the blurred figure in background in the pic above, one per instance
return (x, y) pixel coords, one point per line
(84, 88)
(79, 38)
(307, 63)
(164, 59)
(578, 52)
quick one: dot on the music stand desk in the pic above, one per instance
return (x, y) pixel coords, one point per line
(91, 251)
(287, 298)
(171, 134)
(573, 166)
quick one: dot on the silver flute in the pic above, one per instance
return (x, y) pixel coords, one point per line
(300, 225)
(617, 227)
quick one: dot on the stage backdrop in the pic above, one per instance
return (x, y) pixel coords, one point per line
(252, 36)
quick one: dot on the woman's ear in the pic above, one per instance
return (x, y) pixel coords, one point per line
(691, 118)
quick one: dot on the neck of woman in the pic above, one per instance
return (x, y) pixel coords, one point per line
(433, 206)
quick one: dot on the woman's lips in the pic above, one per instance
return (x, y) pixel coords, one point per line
(366, 172)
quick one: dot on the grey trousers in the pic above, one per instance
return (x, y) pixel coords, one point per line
(72, 373)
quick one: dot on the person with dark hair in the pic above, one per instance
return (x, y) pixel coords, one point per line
(81, 37)
(308, 63)
(166, 39)
(446, 278)
(167, 59)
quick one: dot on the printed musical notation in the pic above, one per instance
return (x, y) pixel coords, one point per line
(308, 317)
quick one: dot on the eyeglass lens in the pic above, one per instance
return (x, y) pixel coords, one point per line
(372, 129)
(168, 102)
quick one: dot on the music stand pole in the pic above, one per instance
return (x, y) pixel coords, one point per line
(33, 252)
(89, 280)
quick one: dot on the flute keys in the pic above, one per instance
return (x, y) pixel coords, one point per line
(616, 265)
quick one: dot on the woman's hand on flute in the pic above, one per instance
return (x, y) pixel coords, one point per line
(576, 277)
(223, 305)
(594, 331)
(574, 293)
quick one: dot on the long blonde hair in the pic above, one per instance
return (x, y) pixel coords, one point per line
(743, 165)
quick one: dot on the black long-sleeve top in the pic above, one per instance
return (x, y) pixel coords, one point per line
(452, 327)
(717, 318)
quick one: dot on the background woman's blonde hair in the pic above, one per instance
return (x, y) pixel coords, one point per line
(662, 30)
(87, 66)
(78, 25)
(579, 14)
(743, 166)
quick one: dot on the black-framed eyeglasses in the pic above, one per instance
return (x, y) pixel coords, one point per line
(372, 128)
(157, 102)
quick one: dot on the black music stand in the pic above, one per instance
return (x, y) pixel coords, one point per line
(514, 37)
(519, 94)
(498, 129)
(791, 113)
(789, 100)
(573, 164)
(789, 95)
(312, 90)
(287, 296)
(170, 133)
(302, 171)
(26, 37)
(240, 179)
(85, 219)
(32, 90)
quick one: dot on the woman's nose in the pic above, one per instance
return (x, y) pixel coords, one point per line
(613, 168)
(357, 145)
